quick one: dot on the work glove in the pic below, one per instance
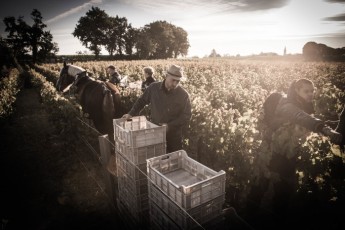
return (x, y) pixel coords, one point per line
(335, 137)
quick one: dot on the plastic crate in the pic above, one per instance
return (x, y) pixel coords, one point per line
(159, 220)
(135, 172)
(136, 221)
(186, 181)
(135, 204)
(138, 132)
(186, 219)
(137, 187)
(139, 155)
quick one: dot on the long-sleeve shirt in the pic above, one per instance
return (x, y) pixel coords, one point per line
(170, 107)
(288, 111)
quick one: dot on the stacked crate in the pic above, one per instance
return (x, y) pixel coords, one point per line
(135, 141)
(188, 193)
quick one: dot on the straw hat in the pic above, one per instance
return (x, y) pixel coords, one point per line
(176, 72)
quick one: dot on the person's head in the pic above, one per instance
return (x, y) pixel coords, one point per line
(304, 88)
(148, 71)
(111, 69)
(173, 77)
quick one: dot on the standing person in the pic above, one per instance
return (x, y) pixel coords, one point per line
(114, 76)
(276, 164)
(148, 73)
(170, 106)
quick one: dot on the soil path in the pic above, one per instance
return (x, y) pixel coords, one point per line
(43, 186)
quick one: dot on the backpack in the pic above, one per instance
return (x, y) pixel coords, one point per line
(270, 105)
(267, 114)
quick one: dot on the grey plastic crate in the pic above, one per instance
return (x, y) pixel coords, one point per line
(133, 220)
(139, 155)
(138, 132)
(135, 172)
(186, 219)
(135, 204)
(159, 220)
(186, 181)
(137, 187)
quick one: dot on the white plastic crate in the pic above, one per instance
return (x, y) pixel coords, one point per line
(134, 204)
(186, 219)
(137, 187)
(135, 172)
(139, 155)
(133, 220)
(138, 132)
(186, 181)
(159, 220)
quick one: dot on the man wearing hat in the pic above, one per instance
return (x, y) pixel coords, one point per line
(170, 106)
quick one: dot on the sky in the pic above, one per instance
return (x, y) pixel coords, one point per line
(231, 27)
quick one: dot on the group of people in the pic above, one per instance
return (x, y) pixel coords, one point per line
(292, 119)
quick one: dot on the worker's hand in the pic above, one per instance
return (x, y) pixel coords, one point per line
(127, 116)
(335, 137)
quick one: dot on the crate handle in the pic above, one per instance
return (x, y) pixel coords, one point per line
(149, 131)
(165, 157)
(206, 184)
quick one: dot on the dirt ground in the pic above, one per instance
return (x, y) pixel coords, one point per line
(43, 186)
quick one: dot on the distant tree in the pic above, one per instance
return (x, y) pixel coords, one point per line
(6, 57)
(145, 45)
(17, 38)
(116, 35)
(161, 39)
(48, 47)
(311, 51)
(23, 38)
(131, 38)
(214, 54)
(318, 51)
(181, 44)
(91, 29)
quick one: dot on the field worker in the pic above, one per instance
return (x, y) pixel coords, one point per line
(114, 76)
(291, 123)
(148, 73)
(170, 106)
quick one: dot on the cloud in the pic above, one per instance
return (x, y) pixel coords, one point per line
(73, 11)
(255, 5)
(338, 18)
(335, 1)
(207, 5)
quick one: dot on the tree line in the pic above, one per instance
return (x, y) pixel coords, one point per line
(313, 51)
(95, 30)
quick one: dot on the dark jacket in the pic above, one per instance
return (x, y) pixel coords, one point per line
(295, 110)
(115, 78)
(145, 84)
(173, 107)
